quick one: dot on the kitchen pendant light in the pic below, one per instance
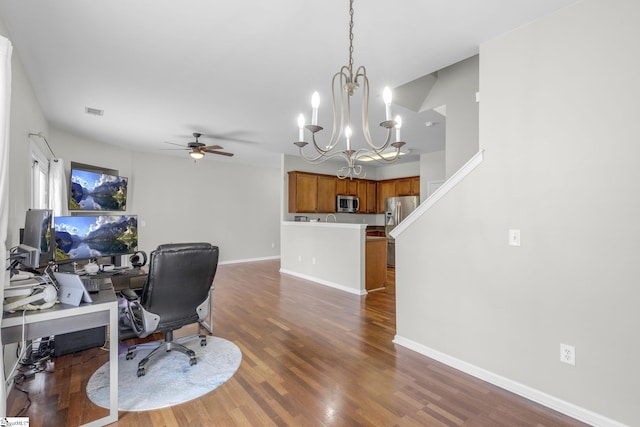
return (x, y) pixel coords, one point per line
(347, 81)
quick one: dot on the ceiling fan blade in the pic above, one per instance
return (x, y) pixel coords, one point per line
(173, 143)
(221, 153)
(211, 147)
(171, 149)
(230, 138)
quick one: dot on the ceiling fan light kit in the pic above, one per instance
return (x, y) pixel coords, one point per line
(197, 149)
(196, 154)
(346, 81)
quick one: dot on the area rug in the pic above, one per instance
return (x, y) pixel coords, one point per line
(169, 379)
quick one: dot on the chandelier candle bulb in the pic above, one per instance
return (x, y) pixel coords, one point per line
(301, 127)
(387, 97)
(343, 86)
(315, 103)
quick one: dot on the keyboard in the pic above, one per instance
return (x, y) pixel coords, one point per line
(95, 284)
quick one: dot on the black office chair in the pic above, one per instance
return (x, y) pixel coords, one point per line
(176, 293)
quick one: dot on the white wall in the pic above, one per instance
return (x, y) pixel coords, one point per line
(26, 117)
(558, 122)
(329, 254)
(231, 205)
(456, 89)
(432, 168)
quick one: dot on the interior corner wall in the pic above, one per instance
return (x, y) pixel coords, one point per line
(26, 117)
(232, 205)
(456, 88)
(432, 168)
(558, 123)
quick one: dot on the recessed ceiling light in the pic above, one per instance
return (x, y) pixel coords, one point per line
(386, 155)
(429, 124)
(94, 111)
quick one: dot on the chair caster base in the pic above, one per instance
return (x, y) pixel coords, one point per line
(141, 372)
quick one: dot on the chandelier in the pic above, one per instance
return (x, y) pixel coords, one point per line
(346, 81)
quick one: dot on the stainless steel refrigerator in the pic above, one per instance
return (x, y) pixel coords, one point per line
(396, 210)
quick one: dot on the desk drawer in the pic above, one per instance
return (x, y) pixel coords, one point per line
(125, 281)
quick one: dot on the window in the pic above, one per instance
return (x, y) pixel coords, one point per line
(39, 179)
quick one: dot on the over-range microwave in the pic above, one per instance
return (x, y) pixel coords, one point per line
(349, 204)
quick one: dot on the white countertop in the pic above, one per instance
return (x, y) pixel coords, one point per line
(324, 224)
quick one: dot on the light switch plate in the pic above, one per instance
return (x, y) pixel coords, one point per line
(514, 237)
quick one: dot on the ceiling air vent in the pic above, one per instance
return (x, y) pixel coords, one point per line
(93, 111)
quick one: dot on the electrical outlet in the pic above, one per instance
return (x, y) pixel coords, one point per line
(514, 237)
(568, 354)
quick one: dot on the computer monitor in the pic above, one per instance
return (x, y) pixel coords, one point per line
(37, 233)
(93, 236)
(94, 190)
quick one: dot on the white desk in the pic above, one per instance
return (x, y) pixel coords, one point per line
(63, 318)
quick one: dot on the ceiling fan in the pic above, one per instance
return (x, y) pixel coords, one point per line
(198, 149)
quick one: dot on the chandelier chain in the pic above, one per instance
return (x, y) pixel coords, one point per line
(351, 36)
(343, 86)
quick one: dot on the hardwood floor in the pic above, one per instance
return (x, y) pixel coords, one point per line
(312, 356)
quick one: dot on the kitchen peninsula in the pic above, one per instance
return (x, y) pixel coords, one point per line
(333, 254)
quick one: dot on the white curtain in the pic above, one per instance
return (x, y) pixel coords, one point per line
(57, 188)
(5, 110)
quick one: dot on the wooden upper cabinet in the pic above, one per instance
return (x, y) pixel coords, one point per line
(347, 187)
(372, 197)
(385, 189)
(311, 193)
(303, 192)
(367, 195)
(315, 193)
(403, 187)
(415, 186)
(408, 186)
(326, 193)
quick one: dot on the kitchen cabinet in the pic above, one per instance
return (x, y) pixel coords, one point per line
(316, 193)
(365, 189)
(367, 193)
(372, 197)
(375, 263)
(326, 193)
(303, 192)
(386, 189)
(347, 187)
(310, 192)
(409, 186)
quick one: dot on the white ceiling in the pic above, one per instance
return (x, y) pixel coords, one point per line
(244, 69)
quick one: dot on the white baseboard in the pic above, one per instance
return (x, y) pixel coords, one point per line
(323, 282)
(532, 394)
(238, 261)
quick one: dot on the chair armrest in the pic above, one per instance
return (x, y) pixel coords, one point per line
(129, 294)
(142, 322)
